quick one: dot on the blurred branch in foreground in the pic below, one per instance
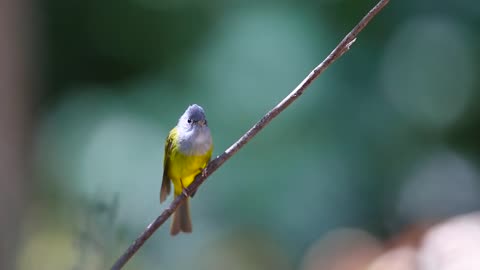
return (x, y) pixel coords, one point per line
(14, 123)
(341, 48)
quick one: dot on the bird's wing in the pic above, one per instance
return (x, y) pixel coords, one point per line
(165, 189)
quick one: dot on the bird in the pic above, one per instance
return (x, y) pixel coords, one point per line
(188, 149)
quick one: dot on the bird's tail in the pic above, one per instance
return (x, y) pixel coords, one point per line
(181, 219)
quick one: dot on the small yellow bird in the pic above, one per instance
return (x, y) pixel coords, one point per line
(188, 150)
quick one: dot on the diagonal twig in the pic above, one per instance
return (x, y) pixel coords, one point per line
(341, 48)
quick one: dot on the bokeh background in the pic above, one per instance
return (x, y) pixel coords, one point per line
(364, 171)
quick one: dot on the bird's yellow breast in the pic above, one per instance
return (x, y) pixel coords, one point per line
(183, 168)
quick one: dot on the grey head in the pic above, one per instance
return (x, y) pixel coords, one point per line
(193, 118)
(194, 135)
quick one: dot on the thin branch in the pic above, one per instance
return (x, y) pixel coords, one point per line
(341, 48)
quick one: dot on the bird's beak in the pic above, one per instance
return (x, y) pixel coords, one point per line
(201, 123)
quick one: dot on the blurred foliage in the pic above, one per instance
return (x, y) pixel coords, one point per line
(387, 137)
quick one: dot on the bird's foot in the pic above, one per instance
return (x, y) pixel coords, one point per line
(184, 189)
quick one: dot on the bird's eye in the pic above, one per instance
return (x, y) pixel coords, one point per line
(205, 122)
(189, 121)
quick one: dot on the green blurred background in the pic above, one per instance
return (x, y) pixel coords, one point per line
(387, 138)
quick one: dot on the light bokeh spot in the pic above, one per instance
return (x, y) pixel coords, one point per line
(428, 71)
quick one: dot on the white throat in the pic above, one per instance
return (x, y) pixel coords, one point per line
(196, 141)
